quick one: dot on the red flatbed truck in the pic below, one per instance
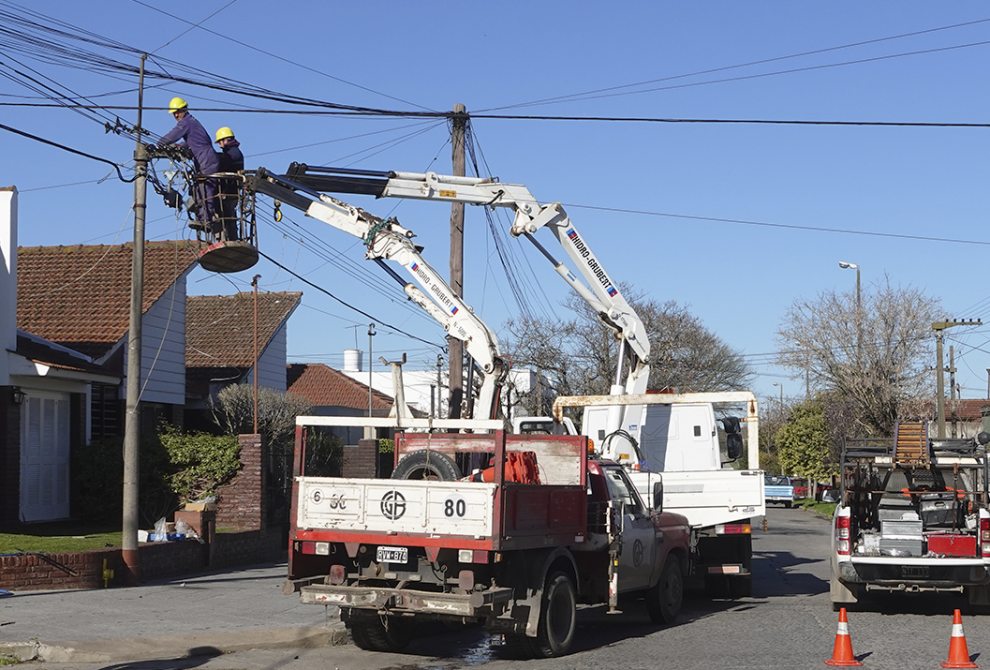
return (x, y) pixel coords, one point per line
(549, 530)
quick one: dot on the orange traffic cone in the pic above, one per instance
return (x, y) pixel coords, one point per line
(958, 653)
(843, 652)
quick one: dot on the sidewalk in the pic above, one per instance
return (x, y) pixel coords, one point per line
(217, 612)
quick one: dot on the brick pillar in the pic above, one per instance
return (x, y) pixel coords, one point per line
(242, 500)
(360, 459)
(10, 458)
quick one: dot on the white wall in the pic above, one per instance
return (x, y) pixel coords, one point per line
(8, 279)
(271, 363)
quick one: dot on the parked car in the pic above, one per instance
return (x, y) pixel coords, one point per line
(778, 489)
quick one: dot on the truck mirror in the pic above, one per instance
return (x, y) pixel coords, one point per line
(731, 425)
(734, 446)
(658, 496)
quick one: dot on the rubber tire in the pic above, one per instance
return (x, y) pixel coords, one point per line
(518, 646)
(427, 464)
(664, 600)
(558, 614)
(787, 505)
(369, 633)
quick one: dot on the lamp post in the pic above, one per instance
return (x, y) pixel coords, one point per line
(369, 434)
(859, 310)
(781, 397)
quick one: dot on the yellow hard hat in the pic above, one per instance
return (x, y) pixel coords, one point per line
(224, 133)
(176, 104)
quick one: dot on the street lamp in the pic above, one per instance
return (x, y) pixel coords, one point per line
(859, 311)
(781, 396)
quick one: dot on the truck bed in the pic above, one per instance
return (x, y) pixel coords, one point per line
(710, 497)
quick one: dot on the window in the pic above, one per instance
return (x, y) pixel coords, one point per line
(620, 490)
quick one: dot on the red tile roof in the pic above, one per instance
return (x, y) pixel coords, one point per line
(220, 328)
(322, 386)
(80, 296)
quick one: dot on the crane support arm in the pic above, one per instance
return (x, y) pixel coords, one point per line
(385, 240)
(597, 287)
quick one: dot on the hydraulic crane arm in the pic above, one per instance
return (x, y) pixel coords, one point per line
(385, 240)
(597, 289)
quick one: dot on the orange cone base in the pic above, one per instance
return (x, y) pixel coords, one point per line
(851, 663)
(967, 664)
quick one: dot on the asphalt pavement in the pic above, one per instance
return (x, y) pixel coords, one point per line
(207, 614)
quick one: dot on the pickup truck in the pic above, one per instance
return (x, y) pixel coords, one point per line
(778, 489)
(516, 546)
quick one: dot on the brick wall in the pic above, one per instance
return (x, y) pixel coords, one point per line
(241, 501)
(10, 458)
(359, 460)
(158, 560)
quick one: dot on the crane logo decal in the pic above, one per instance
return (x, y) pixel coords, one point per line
(393, 505)
(593, 265)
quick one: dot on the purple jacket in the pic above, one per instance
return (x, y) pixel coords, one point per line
(198, 140)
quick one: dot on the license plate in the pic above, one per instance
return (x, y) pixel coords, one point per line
(914, 571)
(392, 555)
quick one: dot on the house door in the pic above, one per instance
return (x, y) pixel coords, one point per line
(45, 457)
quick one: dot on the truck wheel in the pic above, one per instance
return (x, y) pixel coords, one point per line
(558, 610)
(664, 601)
(378, 633)
(787, 504)
(427, 464)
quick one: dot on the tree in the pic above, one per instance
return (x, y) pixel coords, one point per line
(578, 356)
(804, 443)
(875, 355)
(233, 411)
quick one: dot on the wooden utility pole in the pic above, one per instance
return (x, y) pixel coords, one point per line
(458, 125)
(132, 418)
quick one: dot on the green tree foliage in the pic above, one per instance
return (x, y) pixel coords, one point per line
(201, 462)
(803, 443)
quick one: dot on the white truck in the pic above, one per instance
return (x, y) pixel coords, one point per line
(649, 434)
(912, 517)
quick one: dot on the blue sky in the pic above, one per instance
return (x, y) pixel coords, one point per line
(691, 197)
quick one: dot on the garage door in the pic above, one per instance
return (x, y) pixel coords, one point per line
(45, 457)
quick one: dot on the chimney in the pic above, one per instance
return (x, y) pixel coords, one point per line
(8, 277)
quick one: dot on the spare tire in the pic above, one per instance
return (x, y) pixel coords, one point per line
(427, 464)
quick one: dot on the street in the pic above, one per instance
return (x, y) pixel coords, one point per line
(788, 623)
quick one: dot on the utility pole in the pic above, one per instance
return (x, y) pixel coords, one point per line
(952, 387)
(938, 327)
(132, 418)
(458, 126)
(254, 283)
(369, 431)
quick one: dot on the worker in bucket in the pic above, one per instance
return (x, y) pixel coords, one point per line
(231, 160)
(190, 130)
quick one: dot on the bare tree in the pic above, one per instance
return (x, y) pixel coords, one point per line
(874, 354)
(578, 357)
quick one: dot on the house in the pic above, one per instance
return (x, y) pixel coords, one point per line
(220, 345)
(79, 297)
(333, 393)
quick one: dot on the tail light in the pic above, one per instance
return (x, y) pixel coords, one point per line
(842, 532)
(985, 536)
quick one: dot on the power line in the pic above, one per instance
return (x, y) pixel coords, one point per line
(765, 224)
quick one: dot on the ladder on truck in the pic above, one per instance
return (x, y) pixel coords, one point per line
(911, 445)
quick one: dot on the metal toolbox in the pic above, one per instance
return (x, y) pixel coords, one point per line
(900, 547)
(952, 545)
(907, 529)
(893, 508)
(938, 509)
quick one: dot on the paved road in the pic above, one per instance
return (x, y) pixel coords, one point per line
(788, 623)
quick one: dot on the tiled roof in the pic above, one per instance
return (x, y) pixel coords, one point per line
(80, 296)
(220, 328)
(322, 386)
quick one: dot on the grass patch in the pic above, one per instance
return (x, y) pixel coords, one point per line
(8, 660)
(826, 509)
(60, 537)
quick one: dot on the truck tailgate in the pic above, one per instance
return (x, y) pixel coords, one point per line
(396, 506)
(708, 498)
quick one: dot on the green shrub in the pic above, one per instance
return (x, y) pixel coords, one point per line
(200, 462)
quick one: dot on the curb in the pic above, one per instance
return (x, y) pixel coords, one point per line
(176, 646)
